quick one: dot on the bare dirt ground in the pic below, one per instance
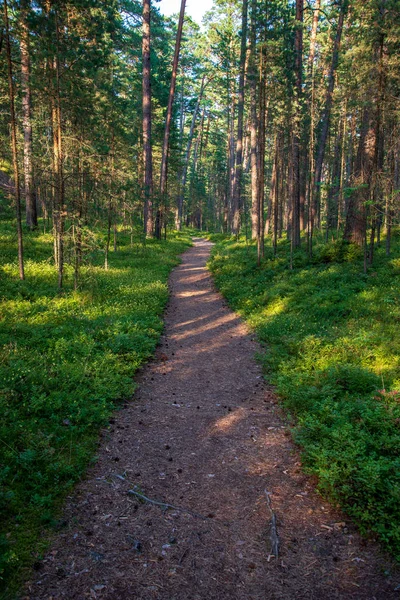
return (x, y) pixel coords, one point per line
(204, 434)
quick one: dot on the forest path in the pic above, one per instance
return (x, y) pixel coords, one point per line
(204, 433)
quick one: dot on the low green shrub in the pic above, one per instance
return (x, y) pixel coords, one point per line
(331, 347)
(66, 359)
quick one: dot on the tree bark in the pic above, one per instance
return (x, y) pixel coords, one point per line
(356, 218)
(255, 211)
(261, 157)
(237, 183)
(108, 238)
(231, 144)
(332, 207)
(379, 158)
(296, 187)
(58, 161)
(199, 143)
(328, 105)
(146, 102)
(30, 198)
(277, 186)
(168, 118)
(181, 195)
(14, 148)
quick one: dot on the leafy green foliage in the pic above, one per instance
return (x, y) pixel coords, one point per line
(331, 347)
(65, 361)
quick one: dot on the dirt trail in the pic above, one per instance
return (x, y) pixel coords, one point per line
(204, 434)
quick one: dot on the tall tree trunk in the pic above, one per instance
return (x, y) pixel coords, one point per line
(261, 156)
(196, 171)
(182, 111)
(276, 187)
(14, 148)
(356, 218)
(199, 143)
(181, 195)
(392, 193)
(30, 198)
(203, 145)
(237, 183)
(146, 99)
(168, 119)
(272, 190)
(78, 212)
(313, 38)
(296, 187)
(109, 224)
(309, 131)
(230, 100)
(332, 207)
(255, 211)
(58, 161)
(328, 105)
(343, 176)
(377, 191)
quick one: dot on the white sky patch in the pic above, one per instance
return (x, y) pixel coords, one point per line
(195, 8)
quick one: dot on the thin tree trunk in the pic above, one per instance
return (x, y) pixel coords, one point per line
(313, 38)
(310, 100)
(356, 218)
(199, 143)
(78, 210)
(237, 183)
(255, 211)
(343, 178)
(58, 163)
(195, 175)
(115, 231)
(275, 198)
(30, 199)
(296, 188)
(392, 195)
(272, 192)
(328, 105)
(108, 239)
(14, 148)
(261, 157)
(181, 194)
(332, 208)
(164, 155)
(182, 112)
(146, 102)
(203, 147)
(231, 145)
(379, 154)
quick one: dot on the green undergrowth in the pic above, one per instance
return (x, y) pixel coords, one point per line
(66, 360)
(331, 346)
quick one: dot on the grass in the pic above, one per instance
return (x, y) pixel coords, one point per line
(331, 346)
(66, 360)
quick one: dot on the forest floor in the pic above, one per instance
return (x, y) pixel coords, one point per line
(205, 435)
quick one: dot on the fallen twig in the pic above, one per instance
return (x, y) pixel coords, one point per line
(183, 556)
(273, 533)
(164, 505)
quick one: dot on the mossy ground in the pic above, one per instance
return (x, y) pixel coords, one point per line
(66, 359)
(331, 346)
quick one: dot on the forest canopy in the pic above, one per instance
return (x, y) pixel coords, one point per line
(273, 118)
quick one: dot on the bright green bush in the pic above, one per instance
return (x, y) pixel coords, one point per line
(331, 346)
(65, 361)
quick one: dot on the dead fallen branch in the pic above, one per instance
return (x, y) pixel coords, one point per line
(163, 505)
(273, 531)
